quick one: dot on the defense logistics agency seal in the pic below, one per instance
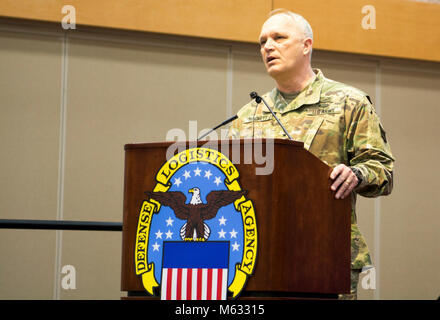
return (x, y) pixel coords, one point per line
(197, 232)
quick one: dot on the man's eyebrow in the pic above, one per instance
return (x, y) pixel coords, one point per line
(272, 34)
(278, 33)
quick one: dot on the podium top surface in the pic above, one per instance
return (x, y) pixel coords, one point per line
(211, 142)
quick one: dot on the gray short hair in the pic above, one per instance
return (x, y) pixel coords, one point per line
(300, 21)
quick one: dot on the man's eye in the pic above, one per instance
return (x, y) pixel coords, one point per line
(262, 42)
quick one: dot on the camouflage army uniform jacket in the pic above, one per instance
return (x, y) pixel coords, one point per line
(338, 124)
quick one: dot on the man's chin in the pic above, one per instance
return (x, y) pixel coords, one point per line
(274, 72)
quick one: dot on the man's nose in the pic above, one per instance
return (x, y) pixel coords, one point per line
(268, 45)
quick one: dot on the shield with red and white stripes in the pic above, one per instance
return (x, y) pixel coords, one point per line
(195, 270)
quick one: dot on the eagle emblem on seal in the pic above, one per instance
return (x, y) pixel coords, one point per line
(196, 212)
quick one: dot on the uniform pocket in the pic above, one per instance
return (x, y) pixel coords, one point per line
(257, 118)
(255, 127)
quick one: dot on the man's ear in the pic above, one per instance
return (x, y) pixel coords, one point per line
(308, 43)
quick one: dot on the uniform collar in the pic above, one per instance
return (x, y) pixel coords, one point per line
(309, 95)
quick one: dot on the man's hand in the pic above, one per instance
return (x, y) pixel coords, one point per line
(345, 181)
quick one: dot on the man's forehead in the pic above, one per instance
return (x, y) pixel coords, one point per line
(278, 23)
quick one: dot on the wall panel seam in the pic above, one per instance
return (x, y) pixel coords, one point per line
(229, 82)
(61, 164)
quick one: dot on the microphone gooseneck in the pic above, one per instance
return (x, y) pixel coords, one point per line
(220, 125)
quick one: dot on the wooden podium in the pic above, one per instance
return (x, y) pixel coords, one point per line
(303, 231)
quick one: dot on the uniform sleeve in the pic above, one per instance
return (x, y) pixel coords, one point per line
(369, 151)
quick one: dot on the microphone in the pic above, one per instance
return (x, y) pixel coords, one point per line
(220, 125)
(258, 99)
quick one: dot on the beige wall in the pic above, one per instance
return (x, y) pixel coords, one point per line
(70, 101)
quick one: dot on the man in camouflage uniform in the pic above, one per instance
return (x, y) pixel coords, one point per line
(336, 122)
